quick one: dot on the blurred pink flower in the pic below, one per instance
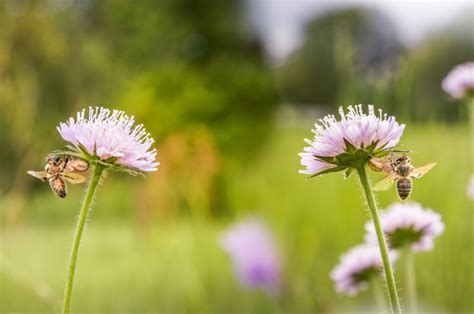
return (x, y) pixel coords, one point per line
(358, 128)
(470, 188)
(254, 255)
(357, 267)
(460, 80)
(408, 224)
(111, 134)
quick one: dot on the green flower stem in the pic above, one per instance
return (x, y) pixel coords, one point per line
(411, 281)
(86, 205)
(387, 266)
(378, 295)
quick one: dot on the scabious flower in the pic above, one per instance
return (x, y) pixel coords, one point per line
(254, 255)
(350, 141)
(357, 267)
(470, 188)
(460, 81)
(111, 137)
(408, 224)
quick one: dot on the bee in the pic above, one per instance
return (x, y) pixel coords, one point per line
(58, 170)
(402, 172)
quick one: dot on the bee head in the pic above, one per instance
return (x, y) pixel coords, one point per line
(53, 159)
(404, 159)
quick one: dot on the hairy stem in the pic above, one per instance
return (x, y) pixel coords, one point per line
(86, 205)
(387, 266)
(411, 281)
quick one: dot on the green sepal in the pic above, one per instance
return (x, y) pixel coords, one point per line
(329, 170)
(130, 171)
(349, 147)
(372, 146)
(69, 153)
(346, 159)
(348, 172)
(401, 151)
(85, 152)
(329, 160)
(381, 154)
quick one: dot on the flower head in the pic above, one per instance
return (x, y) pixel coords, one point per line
(111, 137)
(470, 188)
(408, 224)
(255, 257)
(460, 81)
(350, 141)
(357, 267)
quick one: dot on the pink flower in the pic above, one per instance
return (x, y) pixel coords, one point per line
(364, 131)
(357, 267)
(112, 137)
(254, 254)
(460, 80)
(408, 224)
(470, 188)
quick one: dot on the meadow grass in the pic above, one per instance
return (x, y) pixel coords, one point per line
(177, 267)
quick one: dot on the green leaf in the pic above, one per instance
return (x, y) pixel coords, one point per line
(334, 169)
(330, 160)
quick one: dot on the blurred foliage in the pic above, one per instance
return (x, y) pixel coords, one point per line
(340, 48)
(355, 54)
(171, 67)
(188, 173)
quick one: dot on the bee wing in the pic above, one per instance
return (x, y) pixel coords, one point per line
(42, 175)
(58, 186)
(385, 183)
(419, 172)
(73, 177)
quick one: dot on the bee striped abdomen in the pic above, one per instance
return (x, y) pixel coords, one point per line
(404, 187)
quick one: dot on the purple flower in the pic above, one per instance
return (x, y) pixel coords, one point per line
(111, 137)
(460, 80)
(356, 130)
(357, 267)
(254, 255)
(470, 188)
(408, 224)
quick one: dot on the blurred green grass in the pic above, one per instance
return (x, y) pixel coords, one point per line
(177, 267)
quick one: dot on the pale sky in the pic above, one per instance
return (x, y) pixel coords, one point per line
(279, 22)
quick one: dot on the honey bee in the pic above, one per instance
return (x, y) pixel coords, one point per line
(400, 171)
(58, 170)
